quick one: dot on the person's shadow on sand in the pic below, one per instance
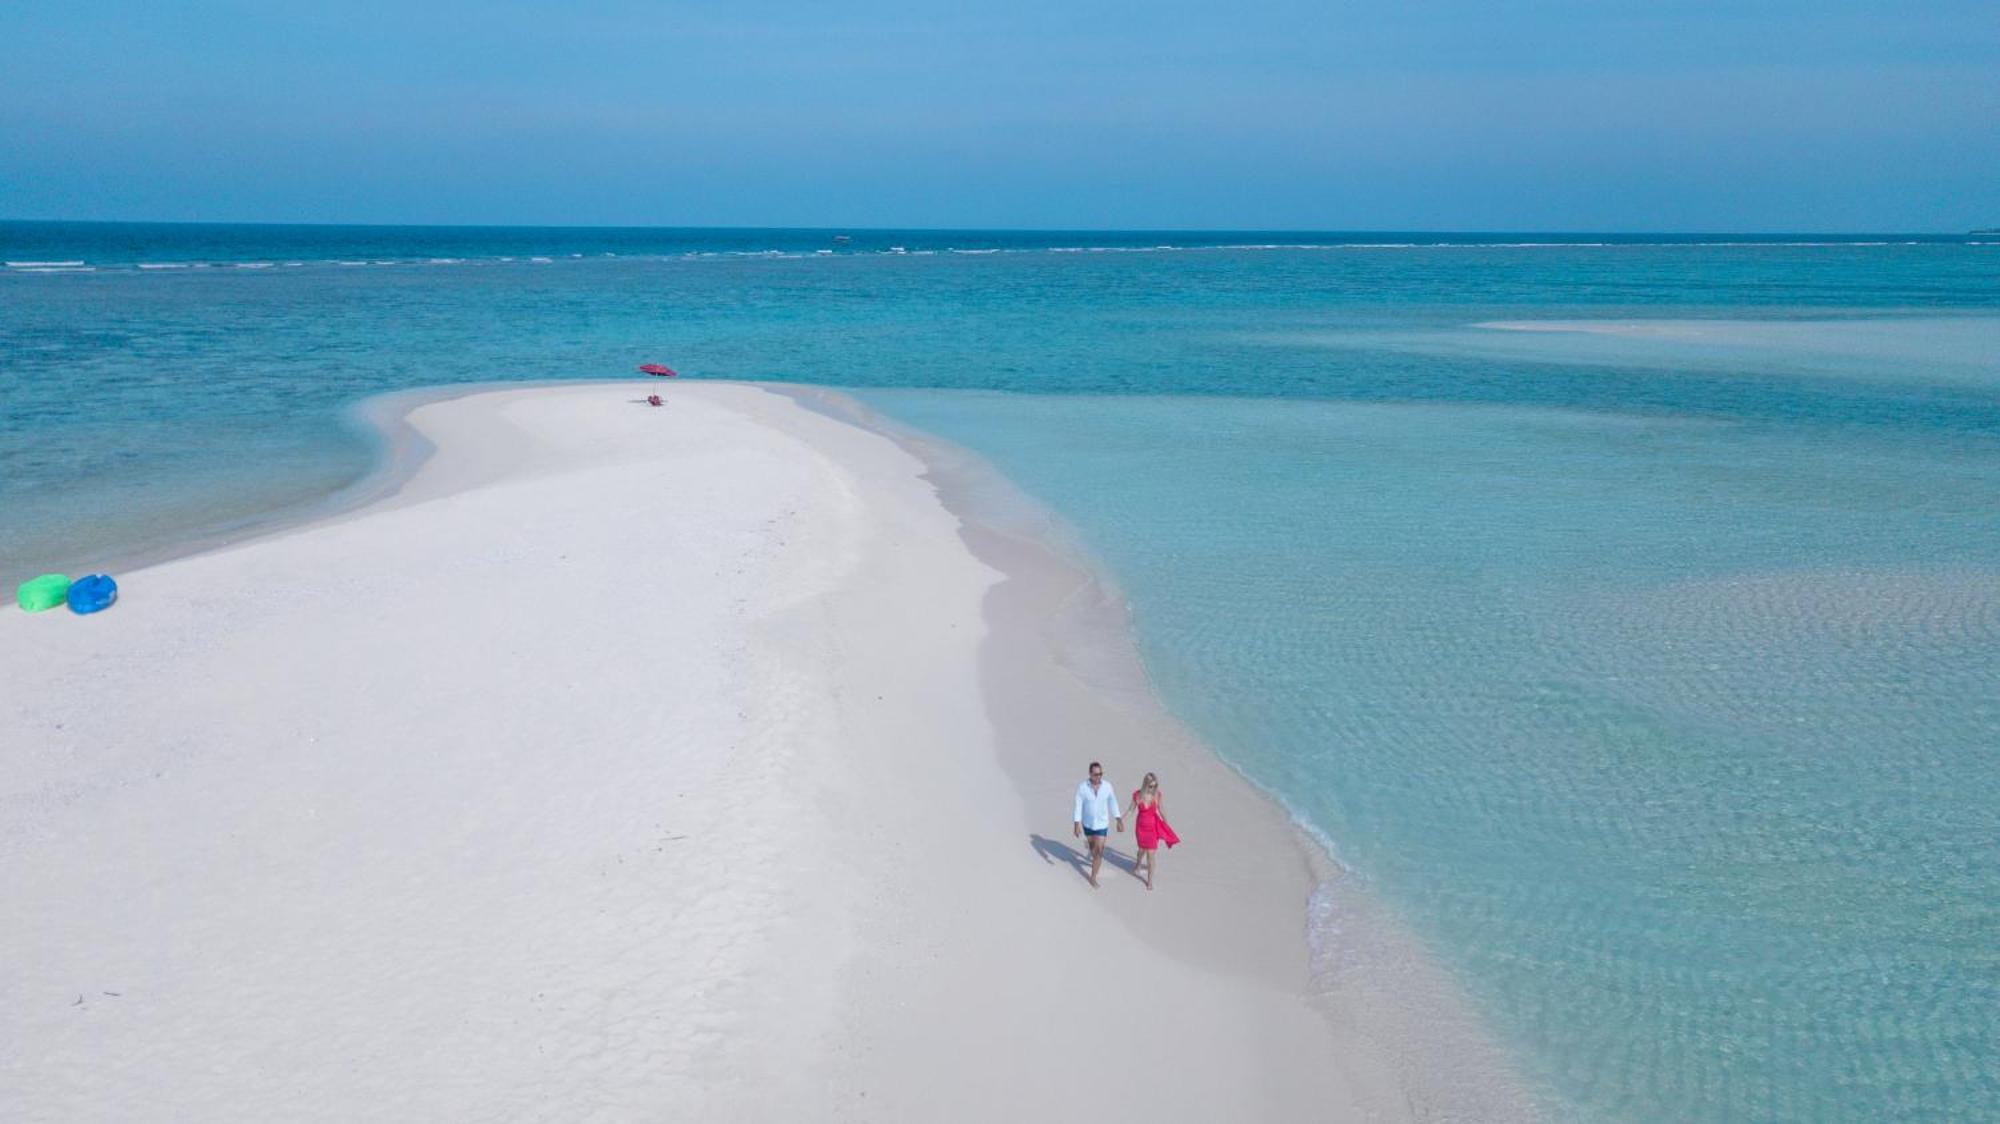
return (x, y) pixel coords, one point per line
(1053, 852)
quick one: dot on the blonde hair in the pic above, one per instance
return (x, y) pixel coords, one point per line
(1150, 785)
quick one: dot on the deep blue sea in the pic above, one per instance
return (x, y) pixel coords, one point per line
(1623, 610)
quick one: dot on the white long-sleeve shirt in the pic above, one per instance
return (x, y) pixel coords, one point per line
(1096, 808)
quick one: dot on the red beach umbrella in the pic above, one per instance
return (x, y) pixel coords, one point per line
(657, 369)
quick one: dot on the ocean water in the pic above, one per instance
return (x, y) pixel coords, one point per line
(1625, 612)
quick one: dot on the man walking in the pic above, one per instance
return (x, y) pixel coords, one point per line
(1096, 811)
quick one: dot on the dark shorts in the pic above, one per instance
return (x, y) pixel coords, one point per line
(1096, 832)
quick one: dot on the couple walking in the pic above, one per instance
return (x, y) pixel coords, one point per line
(1097, 809)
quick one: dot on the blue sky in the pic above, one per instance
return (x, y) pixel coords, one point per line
(1349, 114)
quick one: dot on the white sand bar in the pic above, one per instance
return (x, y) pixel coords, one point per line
(626, 764)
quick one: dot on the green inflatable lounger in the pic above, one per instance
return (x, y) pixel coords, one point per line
(45, 592)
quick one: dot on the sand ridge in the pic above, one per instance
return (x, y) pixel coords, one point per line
(625, 764)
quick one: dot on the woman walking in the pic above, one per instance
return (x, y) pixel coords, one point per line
(1152, 828)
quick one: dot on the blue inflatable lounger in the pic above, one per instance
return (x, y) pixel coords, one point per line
(92, 593)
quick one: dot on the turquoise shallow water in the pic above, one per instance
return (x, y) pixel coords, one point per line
(1676, 736)
(1645, 668)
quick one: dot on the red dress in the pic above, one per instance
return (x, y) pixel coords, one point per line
(1152, 827)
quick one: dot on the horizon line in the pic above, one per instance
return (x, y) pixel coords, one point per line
(836, 229)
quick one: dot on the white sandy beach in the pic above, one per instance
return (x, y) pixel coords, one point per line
(627, 763)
